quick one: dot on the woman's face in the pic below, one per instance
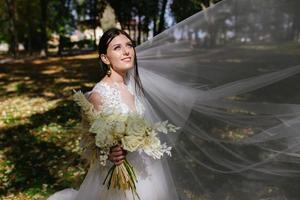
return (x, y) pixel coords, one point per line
(119, 54)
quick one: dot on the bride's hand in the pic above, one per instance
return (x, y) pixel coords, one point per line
(117, 155)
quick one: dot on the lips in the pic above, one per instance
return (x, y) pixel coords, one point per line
(126, 59)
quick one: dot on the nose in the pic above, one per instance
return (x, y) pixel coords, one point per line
(125, 51)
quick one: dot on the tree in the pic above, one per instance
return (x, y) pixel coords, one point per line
(183, 9)
(123, 10)
(139, 14)
(12, 28)
(90, 12)
(43, 24)
(61, 21)
(31, 22)
(161, 25)
(108, 19)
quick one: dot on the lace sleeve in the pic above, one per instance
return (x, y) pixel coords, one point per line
(96, 100)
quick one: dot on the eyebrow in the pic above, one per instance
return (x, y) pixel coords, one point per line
(120, 44)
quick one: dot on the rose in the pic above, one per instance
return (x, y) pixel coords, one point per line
(137, 126)
(131, 142)
(120, 128)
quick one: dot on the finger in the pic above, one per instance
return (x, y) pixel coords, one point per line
(115, 149)
(119, 153)
(117, 158)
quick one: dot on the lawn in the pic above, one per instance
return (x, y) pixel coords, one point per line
(39, 142)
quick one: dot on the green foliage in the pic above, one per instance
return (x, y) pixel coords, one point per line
(108, 19)
(29, 21)
(20, 87)
(141, 12)
(60, 17)
(123, 10)
(63, 16)
(182, 9)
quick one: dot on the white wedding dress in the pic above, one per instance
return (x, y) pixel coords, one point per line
(154, 180)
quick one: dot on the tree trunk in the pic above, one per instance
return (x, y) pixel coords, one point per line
(43, 25)
(60, 45)
(139, 29)
(94, 13)
(129, 30)
(95, 38)
(296, 23)
(161, 24)
(134, 32)
(29, 48)
(29, 32)
(13, 41)
(154, 25)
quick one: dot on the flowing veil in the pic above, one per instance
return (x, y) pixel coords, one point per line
(229, 77)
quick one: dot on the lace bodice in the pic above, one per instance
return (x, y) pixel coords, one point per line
(111, 98)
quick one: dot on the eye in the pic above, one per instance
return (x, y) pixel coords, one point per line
(117, 47)
(130, 45)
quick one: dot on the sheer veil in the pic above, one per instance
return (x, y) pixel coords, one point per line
(229, 77)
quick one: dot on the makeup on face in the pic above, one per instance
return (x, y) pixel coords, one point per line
(120, 53)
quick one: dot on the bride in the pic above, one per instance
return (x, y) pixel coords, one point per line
(117, 57)
(228, 77)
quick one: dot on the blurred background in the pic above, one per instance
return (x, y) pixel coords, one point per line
(60, 26)
(47, 49)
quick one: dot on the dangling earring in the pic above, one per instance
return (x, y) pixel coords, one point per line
(108, 73)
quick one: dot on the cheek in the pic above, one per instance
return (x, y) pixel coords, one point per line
(114, 58)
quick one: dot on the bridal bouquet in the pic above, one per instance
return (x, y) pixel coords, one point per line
(133, 133)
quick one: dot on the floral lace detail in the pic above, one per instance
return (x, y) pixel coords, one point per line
(112, 98)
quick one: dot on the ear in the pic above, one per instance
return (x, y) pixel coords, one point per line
(104, 59)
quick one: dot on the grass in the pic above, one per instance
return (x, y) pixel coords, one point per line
(39, 143)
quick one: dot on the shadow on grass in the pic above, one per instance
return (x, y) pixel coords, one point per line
(49, 79)
(37, 161)
(31, 156)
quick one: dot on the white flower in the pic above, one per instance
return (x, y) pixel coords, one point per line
(165, 127)
(120, 127)
(138, 126)
(100, 140)
(100, 126)
(161, 126)
(132, 143)
(151, 142)
(133, 132)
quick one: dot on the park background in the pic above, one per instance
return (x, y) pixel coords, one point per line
(47, 49)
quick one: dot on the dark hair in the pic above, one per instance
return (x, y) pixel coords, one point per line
(106, 38)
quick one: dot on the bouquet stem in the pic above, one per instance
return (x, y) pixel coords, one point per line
(122, 177)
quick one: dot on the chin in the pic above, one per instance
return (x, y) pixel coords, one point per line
(128, 67)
